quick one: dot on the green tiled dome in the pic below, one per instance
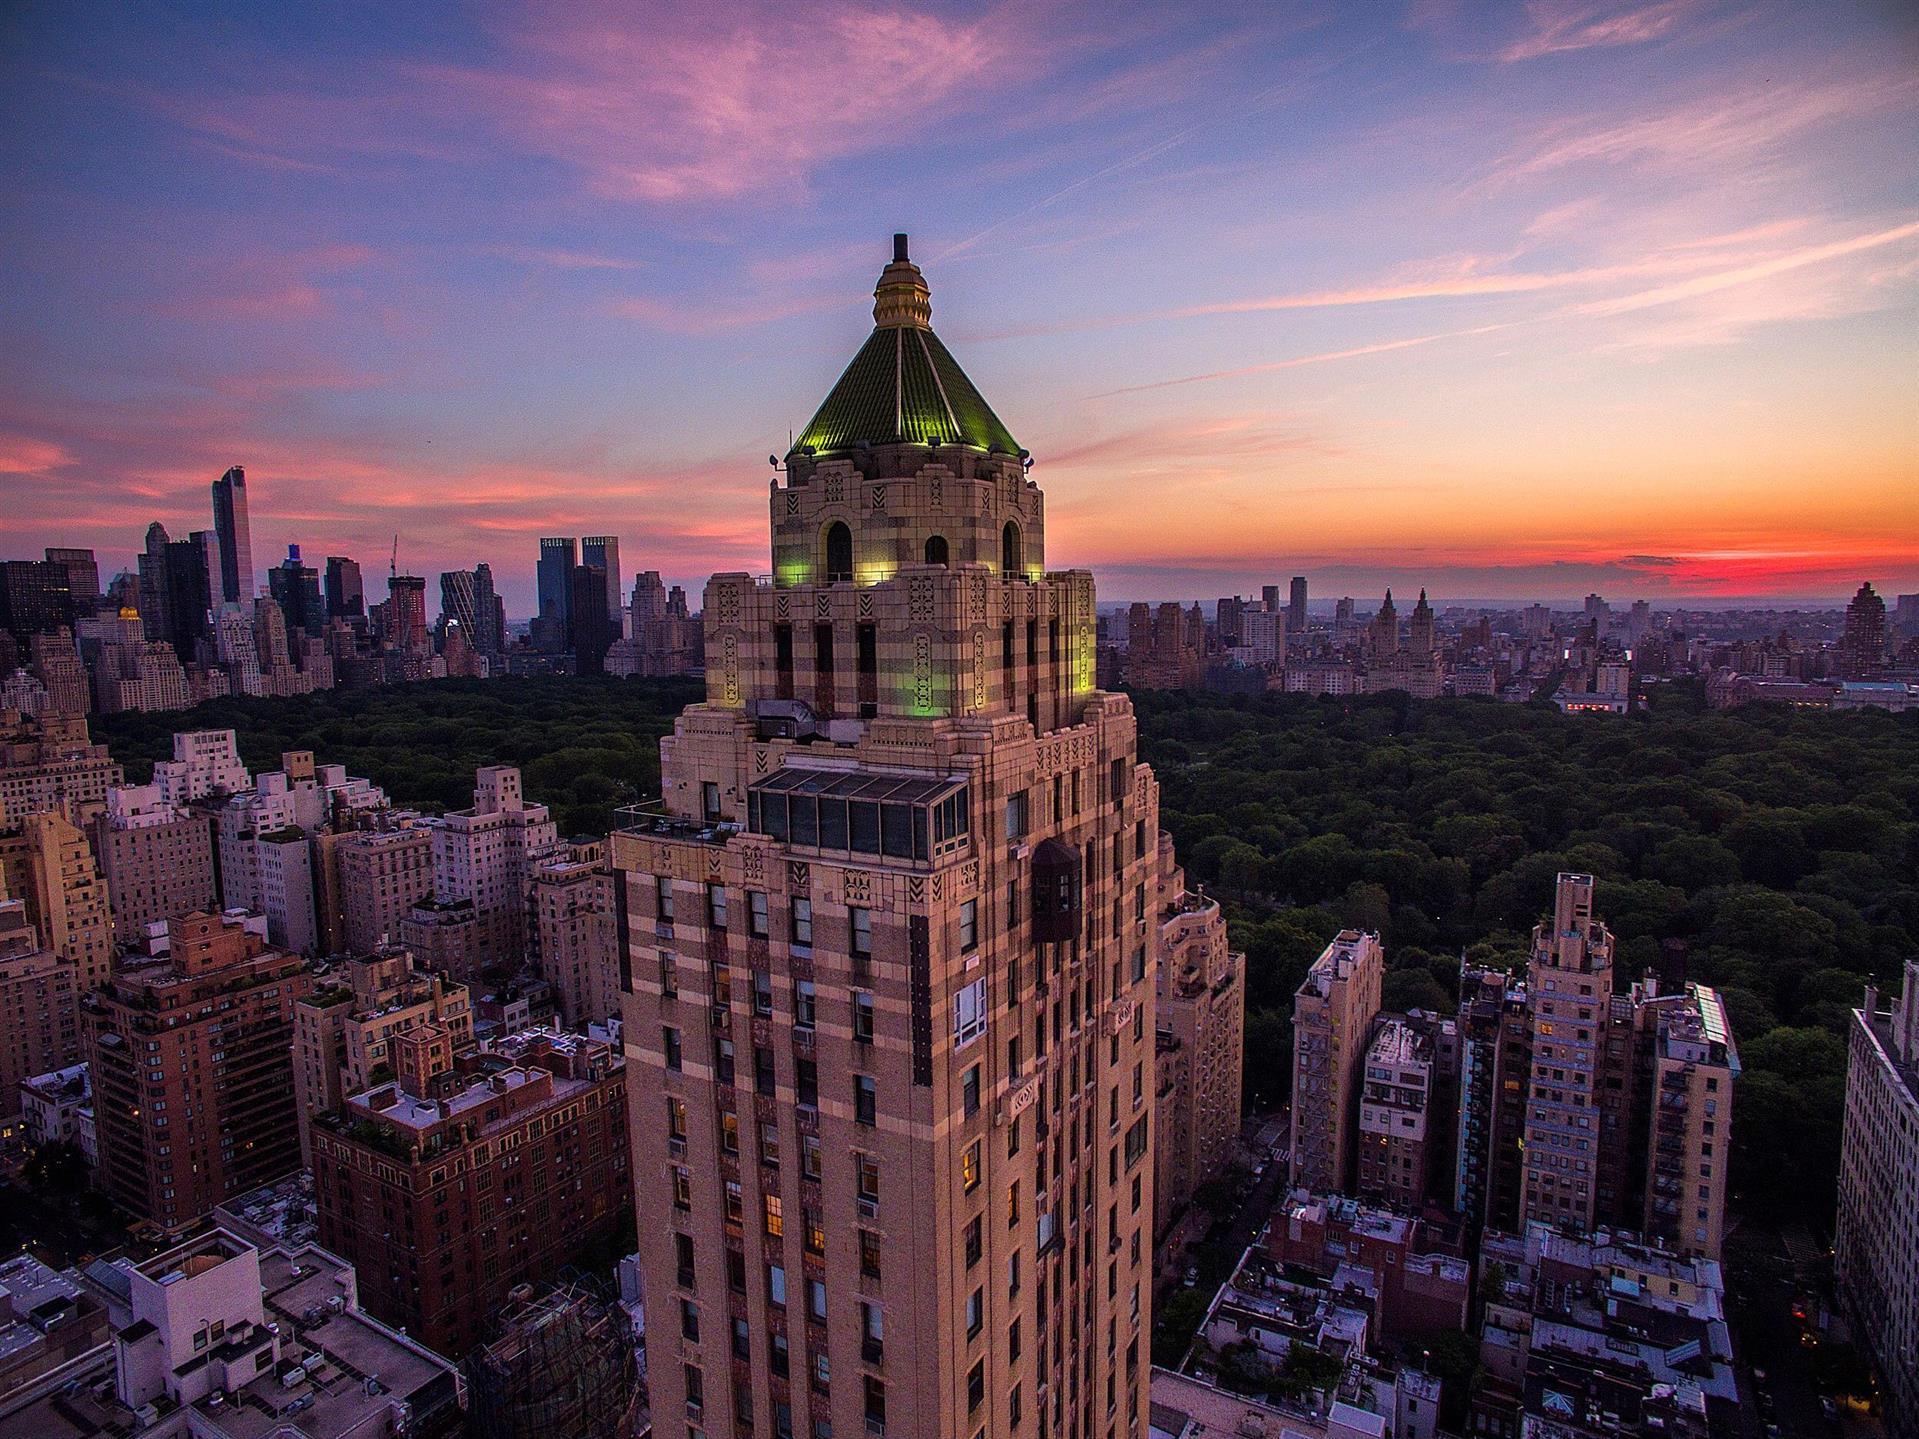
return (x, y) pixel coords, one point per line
(904, 386)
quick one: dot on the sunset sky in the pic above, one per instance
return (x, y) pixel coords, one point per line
(1509, 301)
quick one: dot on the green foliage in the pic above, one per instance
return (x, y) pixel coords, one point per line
(1174, 1324)
(1782, 849)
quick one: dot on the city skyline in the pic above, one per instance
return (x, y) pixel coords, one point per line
(1631, 329)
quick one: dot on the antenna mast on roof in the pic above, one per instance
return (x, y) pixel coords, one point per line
(393, 565)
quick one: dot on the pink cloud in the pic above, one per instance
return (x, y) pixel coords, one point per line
(1559, 27)
(686, 108)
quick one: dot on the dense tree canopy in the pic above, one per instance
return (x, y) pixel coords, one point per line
(1781, 847)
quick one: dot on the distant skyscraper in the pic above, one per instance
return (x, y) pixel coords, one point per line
(234, 536)
(296, 588)
(604, 551)
(1296, 611)
(83, 576)
(489, 621)
(1269, 596)
(590, 625)
(1862, 647)
(345, 595)
(406, 613)
(555, 575)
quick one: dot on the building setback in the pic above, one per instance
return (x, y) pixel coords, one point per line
(47, 863)
(886, 949)
(446, 1189)
(191, 1052)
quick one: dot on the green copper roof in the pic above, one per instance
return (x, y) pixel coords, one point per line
(904, 387)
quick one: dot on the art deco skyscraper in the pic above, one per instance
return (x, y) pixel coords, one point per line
(235, 537)
(884, 953)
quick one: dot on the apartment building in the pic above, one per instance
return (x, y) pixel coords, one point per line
(1199, 1049)
(447, 1187)
(39, 1029)
(205, 763)
(1876, 1246)
(483, 859)
(50, 765)
(1569, 979)
(575, 946)
(885, 947)
(157, 859)
(344, 1028)
(384, 872)
(1398, 1123)
(46, 862)
(1332, 1015)
(190, 1046)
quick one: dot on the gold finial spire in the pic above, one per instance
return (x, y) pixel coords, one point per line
(901, 299)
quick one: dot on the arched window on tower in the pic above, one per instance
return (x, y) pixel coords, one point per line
(1010, 561)
(839, 553)
(936, 550)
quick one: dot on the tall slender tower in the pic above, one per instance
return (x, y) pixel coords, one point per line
(1569, 980)
(884, 954)
(235, 538)
(604, 551)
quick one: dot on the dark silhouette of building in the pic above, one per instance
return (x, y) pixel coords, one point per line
(345, 594)
(589, 625)
(234, 536)
(1862, 647)
(296, 589)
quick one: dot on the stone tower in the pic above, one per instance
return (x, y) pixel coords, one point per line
(884, 954)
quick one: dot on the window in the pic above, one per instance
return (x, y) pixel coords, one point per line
(710, 801)
(756, 914)
(676, 1118)
(776, 1285)
(762, 993)
(803, 1004)
(969, 925)
(682, 1187)
(770, 1145)
(867, 1170)
(815, 1231)
(869, 1254)
(816, 1299)
(689, 1320)
(969, 1013)
(663, 897)
(1016, 815)
(775, 1218)
(839, 553)
(975, 1241)
(669, 977)
(716, 905)
(670, 1043)
(936, 549)
(802, 921)
(862, 932)
(683, 1254)
(810, 1155)
(862, 1016)
(806, 1082)
(976, 1385)
(865, 1100)
(969, 1090)
(969, 1168)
